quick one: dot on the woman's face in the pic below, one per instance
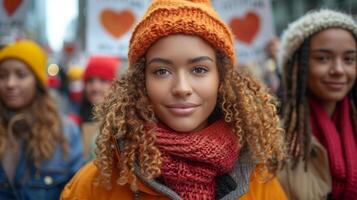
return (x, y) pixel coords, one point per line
(332, 64)
(96, 89)
(182, 81)
(17, 84)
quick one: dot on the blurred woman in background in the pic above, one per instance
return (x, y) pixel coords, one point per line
(39, 151)
(98, 76)
(318, 58)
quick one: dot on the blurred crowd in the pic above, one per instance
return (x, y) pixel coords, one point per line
(49, 124)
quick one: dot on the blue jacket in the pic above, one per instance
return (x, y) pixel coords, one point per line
(47, 181)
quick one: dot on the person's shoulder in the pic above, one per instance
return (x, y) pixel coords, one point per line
(264, 187)
(81, 185)
(68, 123)
(70, 129)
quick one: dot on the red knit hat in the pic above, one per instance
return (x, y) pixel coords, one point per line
(104, 67)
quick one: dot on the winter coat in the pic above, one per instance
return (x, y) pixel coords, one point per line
(313, 182)
(250, 186)
(48, 180)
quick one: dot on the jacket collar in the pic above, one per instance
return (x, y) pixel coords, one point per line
(240, 174)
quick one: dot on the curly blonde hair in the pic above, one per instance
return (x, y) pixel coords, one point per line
(243, 102)
(39, 124)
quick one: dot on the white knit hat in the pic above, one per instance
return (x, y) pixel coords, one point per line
(307, 25)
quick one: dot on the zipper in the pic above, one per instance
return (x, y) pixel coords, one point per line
(137, 195)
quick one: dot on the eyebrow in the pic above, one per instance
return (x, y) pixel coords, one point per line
(329, 51)
(190, 61)
(321, 50)
(200, 59)
(351, 51)
(160, 60)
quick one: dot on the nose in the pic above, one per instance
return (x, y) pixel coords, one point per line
(11, 81)
(96, 84)
(182, 86)
(338, 67)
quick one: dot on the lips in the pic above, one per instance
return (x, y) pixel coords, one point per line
(334, 85)
(11, 96)
(182, 109)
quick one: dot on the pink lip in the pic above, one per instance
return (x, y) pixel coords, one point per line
(182, 109)
(335, 85)
(11, 95)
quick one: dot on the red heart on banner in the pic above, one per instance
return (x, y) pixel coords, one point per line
(246, 28)
(117, 23)
(11, 6)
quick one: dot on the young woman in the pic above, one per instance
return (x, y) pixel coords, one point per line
(183, 123)
(318, 57)
(39, 152)
(98, 76)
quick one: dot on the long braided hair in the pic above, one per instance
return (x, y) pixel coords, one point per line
(296, 115)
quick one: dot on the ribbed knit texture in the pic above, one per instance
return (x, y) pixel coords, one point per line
(339, 138)
(167, 17)
(192, 161)
(306, 26)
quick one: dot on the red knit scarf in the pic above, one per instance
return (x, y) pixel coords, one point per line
(192, 161)
(338, 137)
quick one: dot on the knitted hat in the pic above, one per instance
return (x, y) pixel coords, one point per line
(191, 17)
(75, 72)
(30, 53)
(306, 26)
(104, 67)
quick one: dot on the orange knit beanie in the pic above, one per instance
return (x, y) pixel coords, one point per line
(191, 17)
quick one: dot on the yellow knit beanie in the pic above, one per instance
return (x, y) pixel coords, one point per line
(75, 72)
(192, 17)
(31, 54)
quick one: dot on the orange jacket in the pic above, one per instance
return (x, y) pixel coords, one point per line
(81, 188)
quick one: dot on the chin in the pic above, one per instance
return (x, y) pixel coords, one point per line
(14, 106)
(337, 98)
(185, 128)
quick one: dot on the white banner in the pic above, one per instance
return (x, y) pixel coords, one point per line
(110, 24)
(251, 23)
(12, 14)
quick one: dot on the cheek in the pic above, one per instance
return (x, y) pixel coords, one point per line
(88, 91)
(208, 93)
(352, 76)
(353, 73)
(209, 86)
(31, 86)
(29, 93)
(316, 72)
(104, 88)
(107, 87)
(312, 81)
(156, 90)
(2, 89)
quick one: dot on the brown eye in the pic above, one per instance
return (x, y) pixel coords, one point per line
(350, 60)
(3, 75)
(322, 58)
(200, 70)
(162, 72)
